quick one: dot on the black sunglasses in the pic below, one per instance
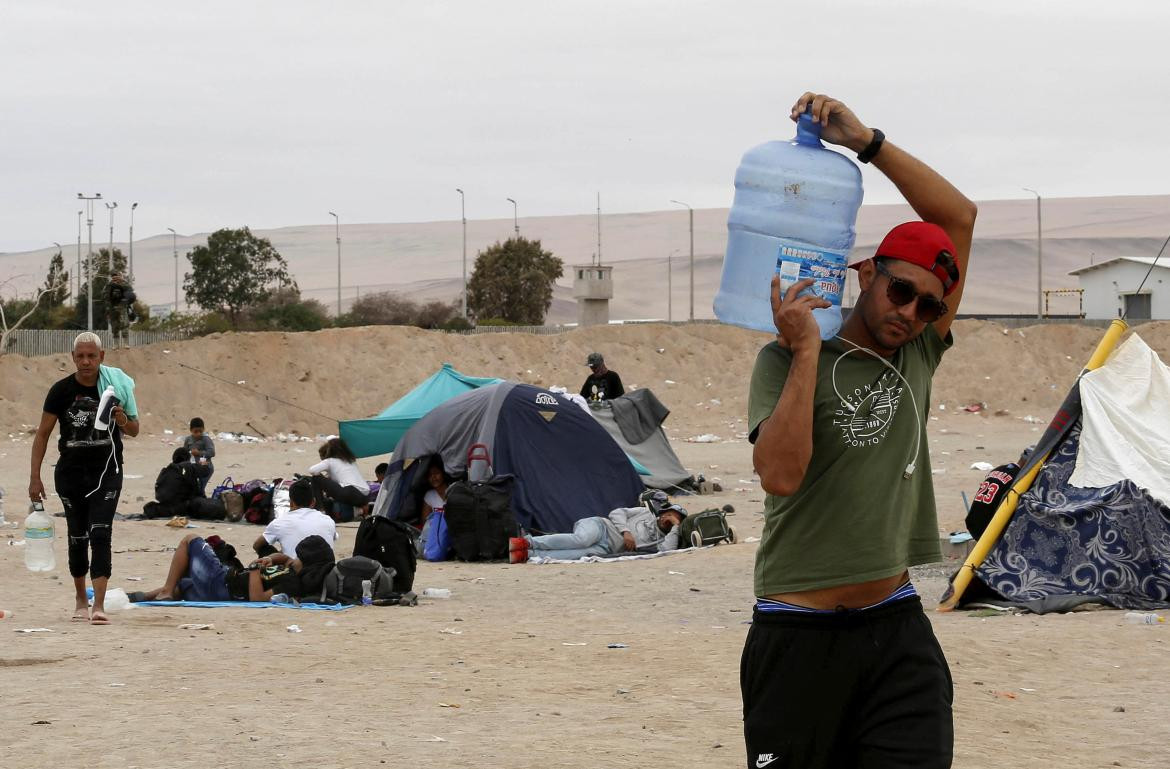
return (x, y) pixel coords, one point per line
(901, 292)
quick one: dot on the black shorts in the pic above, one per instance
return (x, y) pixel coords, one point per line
(849, 689)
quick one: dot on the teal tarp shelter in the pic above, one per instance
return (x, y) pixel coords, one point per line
(380, 434)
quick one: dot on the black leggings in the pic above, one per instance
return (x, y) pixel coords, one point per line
(90, 519)
(329, 490)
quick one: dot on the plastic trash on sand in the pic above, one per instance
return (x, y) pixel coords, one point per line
(982, 467)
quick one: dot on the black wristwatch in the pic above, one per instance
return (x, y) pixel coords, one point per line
(872, 148)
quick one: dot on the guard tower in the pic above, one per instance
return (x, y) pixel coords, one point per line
(592, 288)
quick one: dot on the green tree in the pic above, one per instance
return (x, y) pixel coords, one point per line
(286, 310)
(56, 288)
(513, 281)
(101, 278)
(234, 271)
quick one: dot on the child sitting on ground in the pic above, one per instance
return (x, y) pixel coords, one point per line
(201, 448)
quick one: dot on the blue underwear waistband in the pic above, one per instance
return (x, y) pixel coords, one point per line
(768, 606)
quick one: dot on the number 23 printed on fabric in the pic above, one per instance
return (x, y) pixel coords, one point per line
(987, 491)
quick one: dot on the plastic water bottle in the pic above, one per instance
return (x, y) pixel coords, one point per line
(38, 536)
(2, 521)
(1143, 618)
(367, 592)
(795, 207)
(436, 592)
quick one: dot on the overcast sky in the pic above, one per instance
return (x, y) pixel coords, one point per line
(268, 114)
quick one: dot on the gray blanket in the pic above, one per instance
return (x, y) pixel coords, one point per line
(639, 414)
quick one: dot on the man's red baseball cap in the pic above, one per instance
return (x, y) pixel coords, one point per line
(924, 244)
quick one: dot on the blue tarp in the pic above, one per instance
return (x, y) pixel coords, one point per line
(380, 434)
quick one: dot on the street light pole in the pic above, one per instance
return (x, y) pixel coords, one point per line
(132, 207)
(691, 216)
(463, 218)
(515, 220)
(175, 246)
(670, 286)
(1039, 257)
(89, 199)
(337, 232)
(110, 256)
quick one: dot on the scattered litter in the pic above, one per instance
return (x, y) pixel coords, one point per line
(451, 631)
(242, 381)
(974, 408)
(1026, 689)
(117, 684)
(436, 592)
(330, 623)
(178, 522)
(435, 738)
(134, 579)
(577, 643)
(617, 646)
(679, 573)
(716, 402)
(623, 691)
(293, 628)
(132, 477)
(704, 438)
(35, 630)
(938, 471)
(450, 705)
(659, 350)
(197, 626)
(749, 540)
(982, 467)
(1006, 695)
(669, 381)
(1032, 420)
(747, 480)
(168, 432)
(959, 537)
(942, 407)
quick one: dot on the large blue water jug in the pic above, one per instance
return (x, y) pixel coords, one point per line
(795, 207)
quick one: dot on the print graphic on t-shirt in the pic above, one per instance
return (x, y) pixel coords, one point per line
(865, 416)
(81, 415)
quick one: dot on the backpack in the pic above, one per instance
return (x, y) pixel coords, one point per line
(233, 503)
(317, 561)
(436, 537)
(172, 485)
(258, 506)
(343, 583)
(206, 509)
(390, 543)
(480, 518)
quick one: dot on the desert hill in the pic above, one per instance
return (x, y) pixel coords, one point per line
(423, 260)
(304, 382)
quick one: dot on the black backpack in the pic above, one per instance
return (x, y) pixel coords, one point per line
(343, 583)
(480, 518)
(392, 544)
(317, 561)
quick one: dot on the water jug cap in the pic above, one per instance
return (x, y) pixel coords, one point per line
(808, 131)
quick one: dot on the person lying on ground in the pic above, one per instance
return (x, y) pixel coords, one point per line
(624, 530)
(208, 570)
(336, 478)
(302, 520)
(177, 486)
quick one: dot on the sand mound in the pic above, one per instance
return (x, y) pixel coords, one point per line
(304, 382)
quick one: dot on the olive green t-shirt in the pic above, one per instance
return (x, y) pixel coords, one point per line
(855, 518)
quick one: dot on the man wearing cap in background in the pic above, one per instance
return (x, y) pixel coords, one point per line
(841, 666)
(647, 529)
(602, 384)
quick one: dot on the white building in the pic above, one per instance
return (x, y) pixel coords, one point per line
(1111, 288)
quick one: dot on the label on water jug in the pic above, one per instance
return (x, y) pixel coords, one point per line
(826, 268)
(38, 533)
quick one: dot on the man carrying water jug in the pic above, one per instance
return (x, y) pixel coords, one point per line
(841, 667)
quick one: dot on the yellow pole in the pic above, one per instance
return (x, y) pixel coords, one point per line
(1007, 507)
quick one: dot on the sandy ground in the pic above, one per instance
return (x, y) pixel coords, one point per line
(514, 669)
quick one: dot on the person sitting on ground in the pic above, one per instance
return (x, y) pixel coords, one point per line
(436, 497)
(601, 384)
(301, 521)
(654, 528)
(208, 570)
(177, 487)
(342, 481)
(202, 449)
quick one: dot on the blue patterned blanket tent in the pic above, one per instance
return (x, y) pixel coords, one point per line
(1066, 546)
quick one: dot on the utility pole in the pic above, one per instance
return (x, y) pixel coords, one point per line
(1039, 257)
(337, 232)
(599, 228)
(132, 207)
(175, 247)
(691, 213)
(463, 218)
(89, 199)
(77, 296)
